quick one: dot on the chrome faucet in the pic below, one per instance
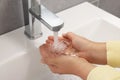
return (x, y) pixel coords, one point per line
(38, 11)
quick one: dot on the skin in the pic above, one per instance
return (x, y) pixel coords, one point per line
(88, 52)
(62, 64)
(94, 52)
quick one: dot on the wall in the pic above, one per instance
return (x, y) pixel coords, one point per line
(11, 16)
(112, 6)
(59, 5)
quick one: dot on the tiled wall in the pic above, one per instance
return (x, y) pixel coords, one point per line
(11, 16)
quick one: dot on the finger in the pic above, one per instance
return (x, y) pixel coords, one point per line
(50, 37)
(44, 50)
(41, 48)
(49, 41)
(53, 68)
(69, 35)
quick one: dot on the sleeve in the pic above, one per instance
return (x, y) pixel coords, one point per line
(113, 59)
(104, 73)
(113, 53)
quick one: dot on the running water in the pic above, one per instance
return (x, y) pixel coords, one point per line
(62, 47)
(55, 38)
(58, 46)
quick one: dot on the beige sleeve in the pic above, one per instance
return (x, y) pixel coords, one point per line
(113, 53)
(104, 73)
(113, 59)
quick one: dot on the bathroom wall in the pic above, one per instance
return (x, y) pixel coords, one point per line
(11, 16)
(112, 6)
(59, 5)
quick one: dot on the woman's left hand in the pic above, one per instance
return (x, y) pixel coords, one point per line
(65, 64)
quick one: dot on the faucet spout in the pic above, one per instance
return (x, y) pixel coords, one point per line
(49, 19)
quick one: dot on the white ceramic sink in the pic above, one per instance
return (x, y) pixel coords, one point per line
(20, 58)
(99, 30)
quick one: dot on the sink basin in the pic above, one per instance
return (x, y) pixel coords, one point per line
(20, 58)
(99, 30)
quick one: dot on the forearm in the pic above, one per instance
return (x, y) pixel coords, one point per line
(97, 53)
(105, 53)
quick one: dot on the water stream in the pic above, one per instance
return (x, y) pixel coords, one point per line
(55, 38)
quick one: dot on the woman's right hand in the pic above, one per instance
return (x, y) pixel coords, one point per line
(94, 52)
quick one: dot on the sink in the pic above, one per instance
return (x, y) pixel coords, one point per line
(20, 58)
(99, 30)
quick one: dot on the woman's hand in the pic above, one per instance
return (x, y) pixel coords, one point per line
(94, 52)
(65, 64)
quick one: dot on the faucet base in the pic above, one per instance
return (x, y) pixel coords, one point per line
(33, 37)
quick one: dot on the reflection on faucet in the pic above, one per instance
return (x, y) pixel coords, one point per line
(49, 19)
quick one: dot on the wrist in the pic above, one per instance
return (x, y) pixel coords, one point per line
(98, 53)
(84, 69)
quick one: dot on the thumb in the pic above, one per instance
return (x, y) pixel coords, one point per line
(69, 35)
